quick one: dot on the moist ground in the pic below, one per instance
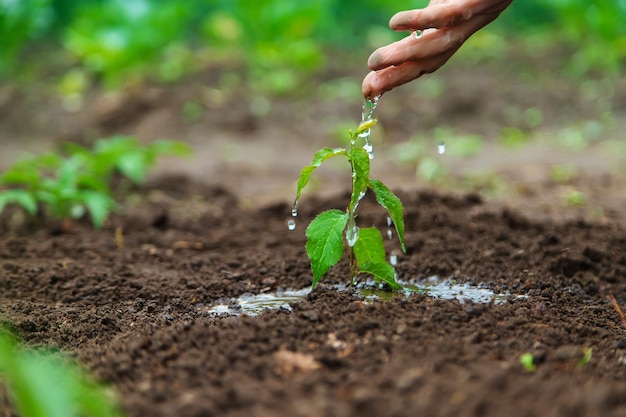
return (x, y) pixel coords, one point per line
(136, 315)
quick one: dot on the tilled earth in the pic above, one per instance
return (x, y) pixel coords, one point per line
(132, 307)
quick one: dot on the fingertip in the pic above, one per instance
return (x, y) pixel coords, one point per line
(366, 86)
(374, 60)
(401, 20)
(369, 86)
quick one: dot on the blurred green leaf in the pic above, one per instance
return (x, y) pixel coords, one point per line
(22, 197)
(47, 385)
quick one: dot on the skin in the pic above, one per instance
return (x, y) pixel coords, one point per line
(446, 25)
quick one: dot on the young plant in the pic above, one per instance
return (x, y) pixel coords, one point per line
(68, 186)
(46, 385)
(334, 230)
(527, 360)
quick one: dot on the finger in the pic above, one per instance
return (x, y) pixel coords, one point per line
(378, 82)
(432, 43)
(410, 49)
(445, 14)
(436, 16)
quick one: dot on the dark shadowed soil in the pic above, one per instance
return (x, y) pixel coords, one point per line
(136, 315)
(131, 302)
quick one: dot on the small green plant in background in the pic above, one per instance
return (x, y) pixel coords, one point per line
(587, 356)
(67, 186)
(325, 234)
(528, 362)
(47, 385)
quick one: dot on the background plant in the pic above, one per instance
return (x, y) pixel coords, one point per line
(325, 234)
(80, 181)
(277, 45)
(49, 385)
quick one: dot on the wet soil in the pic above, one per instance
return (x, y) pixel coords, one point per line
(135, 313)
(131, 301)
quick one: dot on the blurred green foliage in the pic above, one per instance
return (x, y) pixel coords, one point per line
(80, 180)
(272, 45)
(47, 384)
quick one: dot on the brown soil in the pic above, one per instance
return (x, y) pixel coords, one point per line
(133, 307)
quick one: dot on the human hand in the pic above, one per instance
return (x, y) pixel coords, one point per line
(446, 25)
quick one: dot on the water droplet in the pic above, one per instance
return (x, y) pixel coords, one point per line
(352, 235)
(369, 149)
(441, 148)
(417, 34)
(294, 212)
(291, 224)
(389, 234)
(393, 260)
(389, 221)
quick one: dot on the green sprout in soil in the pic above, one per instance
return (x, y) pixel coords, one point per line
(47, 385)
(325, 234)
(587, 355)
(528, 362)
(68, 186)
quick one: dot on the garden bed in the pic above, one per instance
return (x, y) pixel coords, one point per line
(134, 311)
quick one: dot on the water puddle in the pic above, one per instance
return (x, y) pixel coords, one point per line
(451, 290)
(254, 304)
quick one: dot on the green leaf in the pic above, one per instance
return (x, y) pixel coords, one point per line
(46, 385)
(369, 247)
(325, 241)
(364, 127)
(21, 174)
(382, 271)
(99, 206)
(167, 147)
(528, 362)
(133, 166)
(319, 157)
(360, 161)
(393, 205)
(21, 197)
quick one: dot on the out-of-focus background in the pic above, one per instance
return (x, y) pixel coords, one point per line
(531, 110)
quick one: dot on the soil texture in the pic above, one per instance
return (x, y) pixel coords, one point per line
(132, 307)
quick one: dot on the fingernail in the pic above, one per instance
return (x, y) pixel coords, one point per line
(400, 20)
(374, 61)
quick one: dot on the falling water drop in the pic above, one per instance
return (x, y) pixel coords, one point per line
(291, 224)
(393, 259)
(441, 148)
(389, 221)
(389, 234)
(294, 211)
(352, 235)
(417, 34)
(369, 149)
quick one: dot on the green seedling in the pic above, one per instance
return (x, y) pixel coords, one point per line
(574, 198)
(68, 186)
(48, 385)
(587, 355)
(528, 362)
(334, 230)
